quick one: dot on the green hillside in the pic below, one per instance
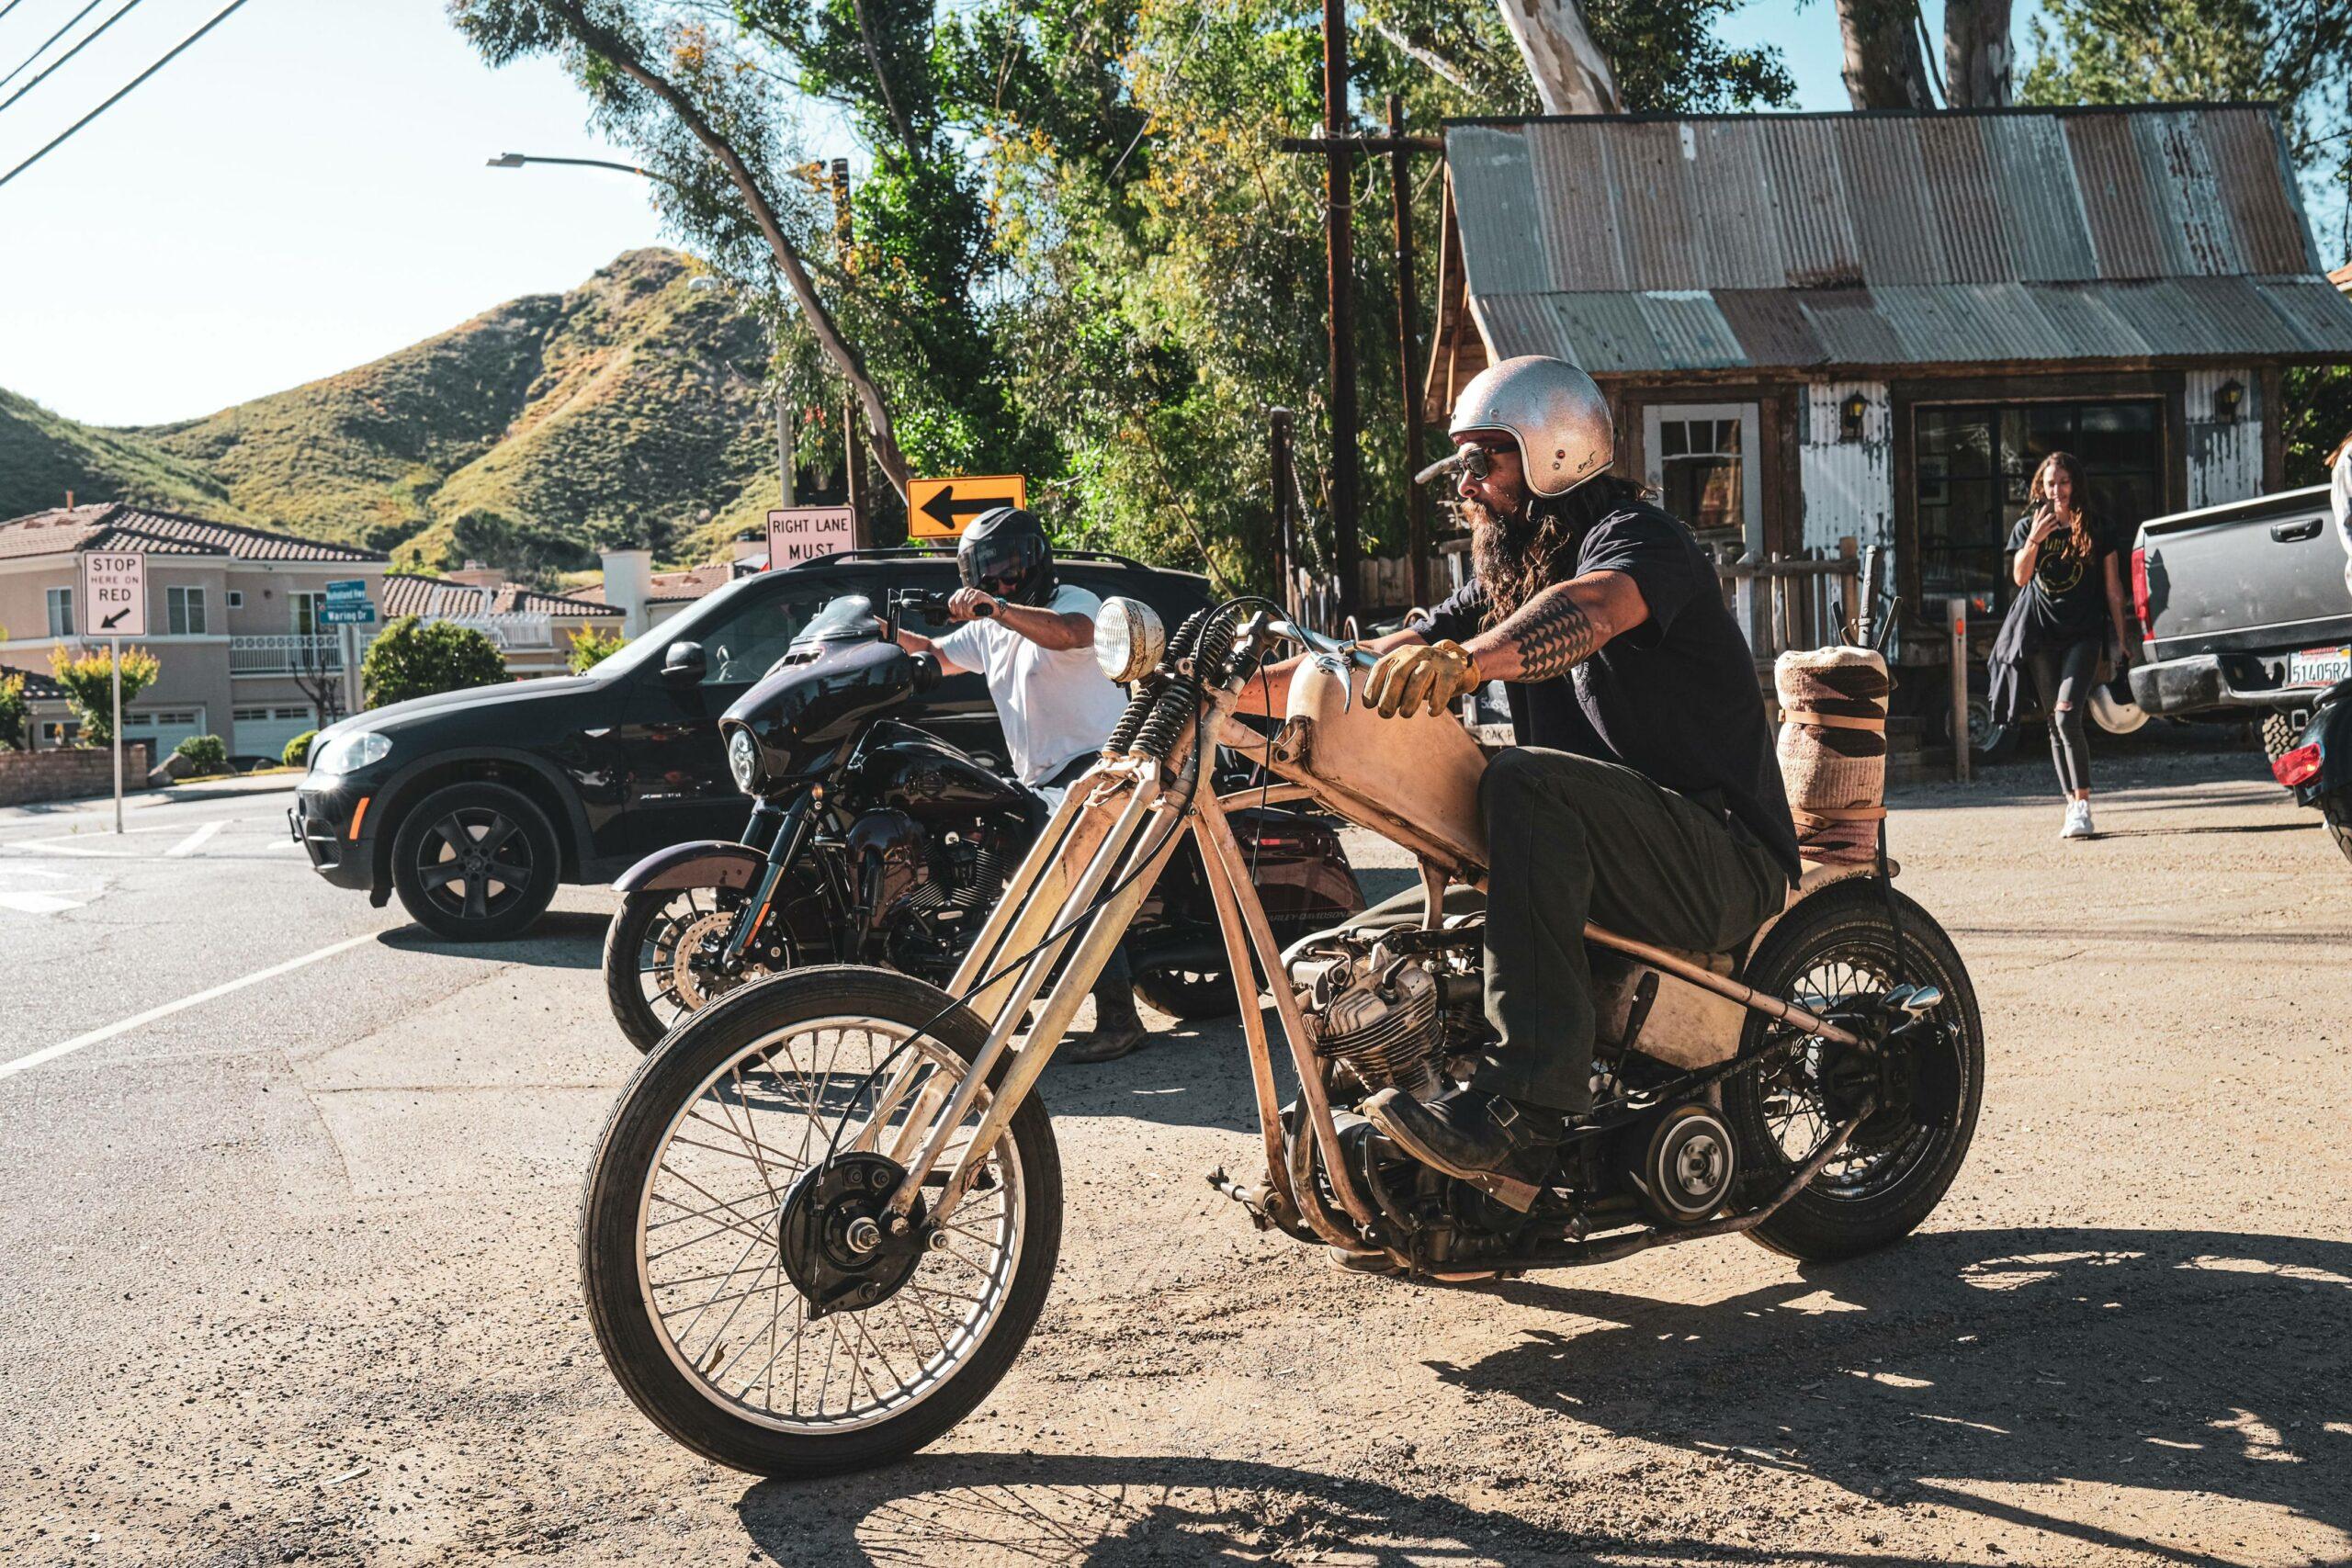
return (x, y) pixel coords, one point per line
(628, 410)
(45, 457)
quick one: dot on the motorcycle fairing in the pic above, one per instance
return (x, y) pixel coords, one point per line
(698, 862)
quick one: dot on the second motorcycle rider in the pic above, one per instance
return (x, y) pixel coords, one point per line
(1033, 638)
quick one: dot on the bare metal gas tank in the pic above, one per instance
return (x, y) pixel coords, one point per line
(1414, 780)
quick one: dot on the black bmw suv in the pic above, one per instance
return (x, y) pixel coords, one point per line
(473, 806)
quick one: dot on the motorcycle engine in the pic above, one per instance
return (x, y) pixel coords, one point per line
(1386, 1015)
(927, 927)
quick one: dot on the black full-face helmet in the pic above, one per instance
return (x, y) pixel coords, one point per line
(1005, 553)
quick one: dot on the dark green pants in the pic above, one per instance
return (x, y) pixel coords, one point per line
(1572, 839)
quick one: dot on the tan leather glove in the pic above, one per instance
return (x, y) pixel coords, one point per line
(1433, 675)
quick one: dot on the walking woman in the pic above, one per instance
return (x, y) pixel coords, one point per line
(2062, 560)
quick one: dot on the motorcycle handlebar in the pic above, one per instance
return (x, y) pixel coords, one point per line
(1346, 651)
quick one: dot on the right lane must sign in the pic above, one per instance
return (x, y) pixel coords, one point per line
(114, 595)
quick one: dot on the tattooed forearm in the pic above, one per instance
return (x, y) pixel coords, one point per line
(1547, 634)
(1559, 628)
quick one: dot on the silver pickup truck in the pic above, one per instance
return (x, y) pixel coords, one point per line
(2245, 607)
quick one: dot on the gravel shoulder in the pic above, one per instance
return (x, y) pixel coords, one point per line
(291, 1275)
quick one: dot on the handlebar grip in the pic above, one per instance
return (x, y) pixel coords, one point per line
(984, 609)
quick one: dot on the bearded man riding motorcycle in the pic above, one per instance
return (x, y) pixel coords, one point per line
(1643, 794)
(1033, 635)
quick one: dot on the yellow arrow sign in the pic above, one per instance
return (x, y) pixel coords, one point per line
(939, 508)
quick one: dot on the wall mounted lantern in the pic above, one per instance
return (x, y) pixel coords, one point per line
(1849, 416)
(2227, 398)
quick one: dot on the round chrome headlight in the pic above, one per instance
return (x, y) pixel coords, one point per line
(743, 760)
(1128, 638)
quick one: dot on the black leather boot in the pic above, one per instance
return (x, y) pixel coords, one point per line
(1497, 1145)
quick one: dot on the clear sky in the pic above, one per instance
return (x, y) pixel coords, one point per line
(304, 190)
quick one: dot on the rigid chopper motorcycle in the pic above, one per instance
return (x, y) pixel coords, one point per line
(882, 843)
(823, 1216)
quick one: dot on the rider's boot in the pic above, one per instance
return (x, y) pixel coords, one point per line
(1118, 1028)
(1499, 1146)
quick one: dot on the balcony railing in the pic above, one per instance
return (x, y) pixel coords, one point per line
(287, 654)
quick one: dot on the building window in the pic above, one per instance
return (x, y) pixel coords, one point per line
(1700, 473)
(61, 612)
(236, 597)
(1974, 473)
(250, 715)
(183, 611)
(308, 611)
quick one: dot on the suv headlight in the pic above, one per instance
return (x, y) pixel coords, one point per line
(743, 760)
(349, 753)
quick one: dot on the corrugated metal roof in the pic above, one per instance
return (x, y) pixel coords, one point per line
(1638, 244)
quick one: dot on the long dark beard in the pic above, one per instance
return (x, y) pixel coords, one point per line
(1514, 555)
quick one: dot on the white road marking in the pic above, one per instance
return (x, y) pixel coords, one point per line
(196, 840)
(51, 1053)
(39, 903)
(51, 847)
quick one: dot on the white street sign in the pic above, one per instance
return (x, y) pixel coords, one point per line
(797, 534)
(114, 595)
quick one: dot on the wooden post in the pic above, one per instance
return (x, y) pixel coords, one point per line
(1285, 540)
(1956, 617)
(1417, 506)
(1338, 242)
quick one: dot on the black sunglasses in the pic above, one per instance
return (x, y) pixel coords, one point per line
(1475, 461)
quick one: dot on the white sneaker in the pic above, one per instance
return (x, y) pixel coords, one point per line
(2078, 821)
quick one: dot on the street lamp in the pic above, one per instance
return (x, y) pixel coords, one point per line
(516, 160)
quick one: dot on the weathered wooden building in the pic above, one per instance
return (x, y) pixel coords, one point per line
(1874, 325)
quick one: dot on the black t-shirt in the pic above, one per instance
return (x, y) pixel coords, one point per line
(2065, 602)
(1674, 698)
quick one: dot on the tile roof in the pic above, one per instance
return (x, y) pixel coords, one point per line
(410, 594)
(38, 688)
(1644, 243)
(116, 526)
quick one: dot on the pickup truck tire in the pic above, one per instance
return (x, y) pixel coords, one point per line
(475, 861)
(2280, 734)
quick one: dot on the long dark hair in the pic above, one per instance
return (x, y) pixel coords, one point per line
(2078, 530)
(1516, 559)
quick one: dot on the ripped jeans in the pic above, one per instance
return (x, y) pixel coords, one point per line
(2064, 677)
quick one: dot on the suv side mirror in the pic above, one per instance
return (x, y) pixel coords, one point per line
(684, 662)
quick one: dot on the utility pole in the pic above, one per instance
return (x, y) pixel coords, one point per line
(1416, 509)
(1339, 219)
(853, 460)
(1285, 544)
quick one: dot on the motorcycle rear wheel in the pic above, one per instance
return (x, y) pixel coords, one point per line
(1188, 994)
(1836, 944)
(682, 1235)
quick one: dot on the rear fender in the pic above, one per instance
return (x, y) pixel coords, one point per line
(702, 862)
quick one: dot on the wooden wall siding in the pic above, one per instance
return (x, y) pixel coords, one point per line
(2225, 462)
(1848, 486)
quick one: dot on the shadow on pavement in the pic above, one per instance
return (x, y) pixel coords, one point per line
(561, 939)
(1044, 1511)
(2179, 1361)
(2199, 1364)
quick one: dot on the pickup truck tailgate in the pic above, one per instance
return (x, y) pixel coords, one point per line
(2261, 576)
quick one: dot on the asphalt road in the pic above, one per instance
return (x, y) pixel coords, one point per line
(288, 1270)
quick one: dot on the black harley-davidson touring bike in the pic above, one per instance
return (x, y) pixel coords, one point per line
(824, 1214)
(876, 842)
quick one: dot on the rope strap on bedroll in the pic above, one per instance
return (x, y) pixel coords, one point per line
(1833, 749)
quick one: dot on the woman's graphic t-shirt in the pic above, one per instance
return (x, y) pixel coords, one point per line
(2066, 599)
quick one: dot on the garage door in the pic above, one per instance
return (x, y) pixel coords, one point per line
(165, 727)
(264, 732)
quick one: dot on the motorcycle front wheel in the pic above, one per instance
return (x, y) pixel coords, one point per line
(726, 1187)
(650, 979)
(1835, 946)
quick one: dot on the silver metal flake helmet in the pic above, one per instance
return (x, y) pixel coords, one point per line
(1551, 408)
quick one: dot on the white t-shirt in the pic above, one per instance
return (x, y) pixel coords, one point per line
(2340, 498)
(1056, 703)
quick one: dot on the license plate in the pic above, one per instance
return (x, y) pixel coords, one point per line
(2319, 666)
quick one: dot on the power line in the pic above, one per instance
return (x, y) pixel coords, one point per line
(11, 5)
(124, 92)
(47, 41)
(87, 38)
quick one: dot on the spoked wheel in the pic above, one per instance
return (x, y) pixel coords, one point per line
(742, 1274)
(475, 861)
(660, 952)
(1834, 946)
